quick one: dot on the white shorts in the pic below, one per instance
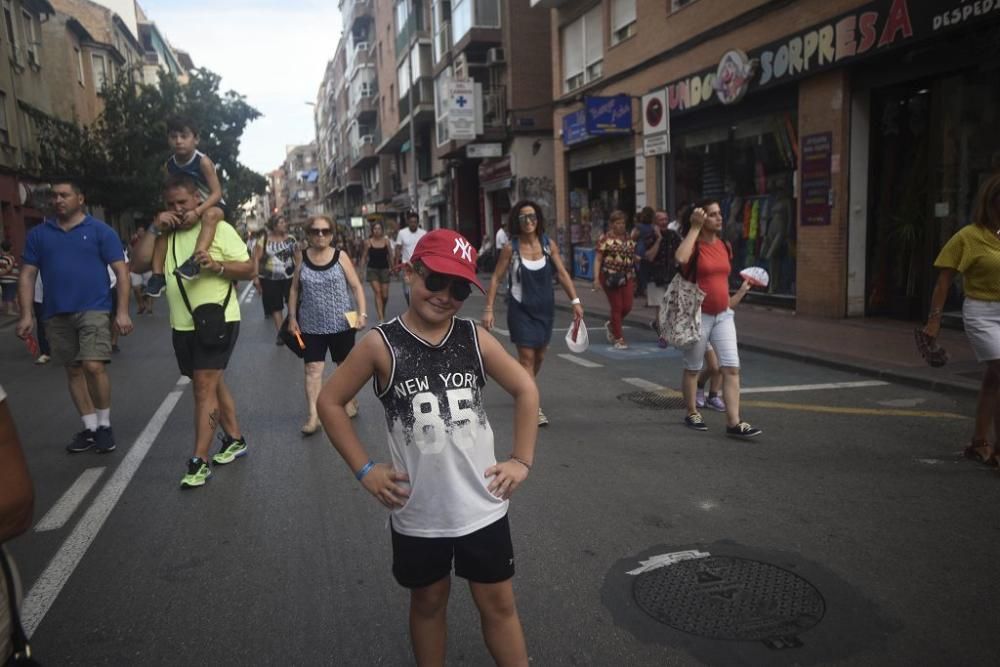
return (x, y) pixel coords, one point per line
(982, 326)
(719, 331)
(140, 279)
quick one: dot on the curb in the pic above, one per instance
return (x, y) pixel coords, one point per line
(886, 374)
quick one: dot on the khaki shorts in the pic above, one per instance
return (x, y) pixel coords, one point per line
(76, 337)
(383, 276)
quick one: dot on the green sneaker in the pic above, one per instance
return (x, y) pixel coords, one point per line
(230, 451)
(198, 473)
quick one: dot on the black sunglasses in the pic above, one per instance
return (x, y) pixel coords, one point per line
(527, 217)
(435, 282)
(320, 231)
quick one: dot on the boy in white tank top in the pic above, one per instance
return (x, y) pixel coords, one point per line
(447, 492)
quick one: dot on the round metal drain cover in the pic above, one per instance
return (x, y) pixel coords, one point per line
(652, 399)
(721, 597)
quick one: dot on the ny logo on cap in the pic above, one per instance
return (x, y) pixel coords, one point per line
(464, 247)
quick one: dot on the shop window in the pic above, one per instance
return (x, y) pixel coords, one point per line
(622, 20)
(749, 168)
(582, 50)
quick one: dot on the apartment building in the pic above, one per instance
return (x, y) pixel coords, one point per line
(23, 90)
(299, 184)
(844, 139)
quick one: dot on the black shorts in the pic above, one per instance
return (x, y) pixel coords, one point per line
(193, 356)
(484, 557)
(340, 345)
(274, 294)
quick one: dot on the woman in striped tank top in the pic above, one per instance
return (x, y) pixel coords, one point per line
(318, 303)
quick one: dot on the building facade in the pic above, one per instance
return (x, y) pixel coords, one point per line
(845, 140)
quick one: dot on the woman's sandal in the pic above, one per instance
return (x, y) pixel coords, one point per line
(980, 451)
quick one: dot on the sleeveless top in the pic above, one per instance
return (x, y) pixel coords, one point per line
(279, 259)
(324, 297)
(192, 168)
(438, 431)
(378, 258)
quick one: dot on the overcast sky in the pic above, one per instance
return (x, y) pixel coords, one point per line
(274, 52)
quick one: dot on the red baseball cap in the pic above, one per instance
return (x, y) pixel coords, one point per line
(448, 252)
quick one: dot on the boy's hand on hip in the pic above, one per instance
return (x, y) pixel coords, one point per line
(381, 483)
(507, 476)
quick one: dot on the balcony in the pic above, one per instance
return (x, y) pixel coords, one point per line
(423, 98)
(364, 109)
(353, 11)
(475, 22)
(359, 56)
(495, 107)
(548, 4)
(442, 42)
(363, 150)
(414, 24)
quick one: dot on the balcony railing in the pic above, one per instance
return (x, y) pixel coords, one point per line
(414, 24)
(357, 9)
(442, 41)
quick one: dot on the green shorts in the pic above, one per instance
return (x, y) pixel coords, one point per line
(378, 275)
(77, 337)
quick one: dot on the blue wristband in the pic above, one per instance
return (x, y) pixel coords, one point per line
(365, 469)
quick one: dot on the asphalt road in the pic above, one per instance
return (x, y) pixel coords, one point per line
(850, 533)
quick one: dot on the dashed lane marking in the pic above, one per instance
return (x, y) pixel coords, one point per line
(248, 293)
(646, 385)
(580, 361)
(813, 387)
(46, 589)
(60, 513)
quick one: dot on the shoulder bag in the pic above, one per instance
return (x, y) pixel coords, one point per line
(680, 310)
(209, 318)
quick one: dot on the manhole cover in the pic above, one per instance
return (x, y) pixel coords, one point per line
(654, 400)
(721, 597)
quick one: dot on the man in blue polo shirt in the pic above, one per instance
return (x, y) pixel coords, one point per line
(73, 252)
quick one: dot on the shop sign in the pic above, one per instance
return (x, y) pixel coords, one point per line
(574, 128)
(483, 150)
(357, 222)
(494, 170)
(870, 29)
(656, 123)
(462, 110)
(608, 115)
(817, 179)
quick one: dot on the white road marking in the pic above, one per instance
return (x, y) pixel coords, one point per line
(813, 387)
(60, 513)
(39, 599)
(246, 296)
(903, 402)
(579, 361)
(502, 332)
(644, 384)
(663, 560)
(652, 386)
(708, 505)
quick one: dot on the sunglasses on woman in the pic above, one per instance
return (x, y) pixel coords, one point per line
(527, 217)
(436, 282)
(320, 231)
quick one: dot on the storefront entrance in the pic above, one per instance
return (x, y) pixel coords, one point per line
(933, 142)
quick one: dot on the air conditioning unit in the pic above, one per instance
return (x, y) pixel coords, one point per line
(496, 56)
(368, 139)
(461, 66)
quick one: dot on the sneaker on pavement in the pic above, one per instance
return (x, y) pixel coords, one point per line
(699, 398)
(82, 441)
(231, 450)
(695, 421)
(42, 360)
(621, 344)
(155, 285)
(104, 440)
(715, 403)
(189, 270)
(198, 473)
(743, 431)
(542, 419)
(607, 332)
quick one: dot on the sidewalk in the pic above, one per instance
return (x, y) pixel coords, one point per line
(880, 348)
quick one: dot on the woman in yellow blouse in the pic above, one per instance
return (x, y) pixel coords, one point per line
(974, 251)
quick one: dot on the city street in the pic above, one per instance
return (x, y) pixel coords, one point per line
(850, 533)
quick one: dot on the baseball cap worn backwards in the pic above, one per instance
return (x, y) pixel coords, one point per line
(448, 252)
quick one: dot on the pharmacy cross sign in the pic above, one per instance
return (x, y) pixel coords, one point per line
(461, 101)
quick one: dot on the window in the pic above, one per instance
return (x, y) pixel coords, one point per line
(442, 86)
(468, 14)
(100, 70)
(79, 66)
(582, 50)
(4, 132)
(11, 35)
(30, 38)
(679, 4)
(402, 13)
(622, 20)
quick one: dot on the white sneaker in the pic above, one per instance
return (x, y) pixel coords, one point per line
(542, 419)
(42, 359)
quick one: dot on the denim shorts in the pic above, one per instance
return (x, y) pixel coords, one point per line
(720, 331)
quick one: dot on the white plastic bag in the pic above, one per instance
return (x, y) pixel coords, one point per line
(577, 339)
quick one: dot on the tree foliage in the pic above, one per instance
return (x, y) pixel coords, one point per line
(119, 158)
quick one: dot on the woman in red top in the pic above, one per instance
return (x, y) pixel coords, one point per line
(614, 270)
(705, 258)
